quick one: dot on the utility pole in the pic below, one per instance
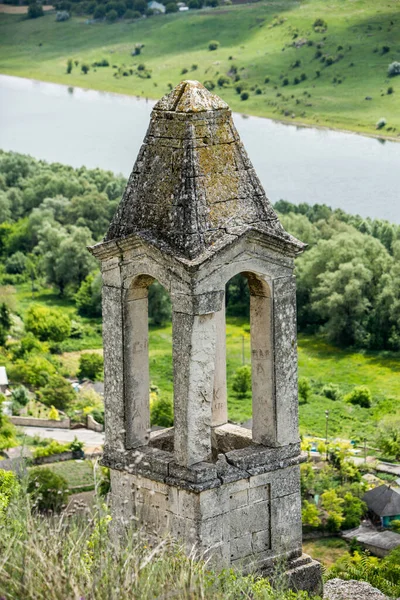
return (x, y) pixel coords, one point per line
(326, 435)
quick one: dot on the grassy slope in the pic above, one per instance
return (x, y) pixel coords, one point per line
(174, 42)
(318, 361)
(78, 473)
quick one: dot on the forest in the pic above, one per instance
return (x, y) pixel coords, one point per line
(348, 278)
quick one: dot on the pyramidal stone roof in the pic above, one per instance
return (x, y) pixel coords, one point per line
(193, 187)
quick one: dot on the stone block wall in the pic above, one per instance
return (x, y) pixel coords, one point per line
(245, 523)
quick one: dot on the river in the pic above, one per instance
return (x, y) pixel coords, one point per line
(100, 129)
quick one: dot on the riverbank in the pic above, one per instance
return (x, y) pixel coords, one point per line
(259, 44)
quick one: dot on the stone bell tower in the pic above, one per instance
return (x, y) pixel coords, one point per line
(193, 215)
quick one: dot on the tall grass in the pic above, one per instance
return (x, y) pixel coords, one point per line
(72, 557)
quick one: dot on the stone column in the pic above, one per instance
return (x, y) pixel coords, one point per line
(194, 356)
(136, 365)
(113, 368)
(285, 350)
(264, 408)
(220, 397)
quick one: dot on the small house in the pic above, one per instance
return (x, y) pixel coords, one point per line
(383, 503)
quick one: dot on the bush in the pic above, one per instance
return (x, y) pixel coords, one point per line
(331, 391)
(88, 297)
(85, 69)
(100, 12)
(241, 384)
(70, 64)
(304, 390)
(361, 396)
(320, 25)
(35, 10)
(47, 324)
(285, 81)
(209, 84)
(111, 17)
(9, 487)
(48, 490)
(171, 7)
(394, 69)
(244, 96)
(90, 366)
(57, 392)
(33, 371)
(213, 45)
(162, 413)
(54, 414)
(132, 14)
(62, 15)
(390, 90)
(50, 449)
(381, 123)
(223, 81)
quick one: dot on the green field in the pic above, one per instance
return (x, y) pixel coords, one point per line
(320, 363)
(258, 40)
(78, 473)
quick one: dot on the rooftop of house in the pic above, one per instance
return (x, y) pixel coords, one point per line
(193, 187)
(383, 500)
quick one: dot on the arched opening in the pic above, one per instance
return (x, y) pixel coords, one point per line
(244, 374)
(147, 359)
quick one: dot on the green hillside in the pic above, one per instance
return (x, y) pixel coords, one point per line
(267, 47)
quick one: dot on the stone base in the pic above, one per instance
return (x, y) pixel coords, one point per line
(305, 574)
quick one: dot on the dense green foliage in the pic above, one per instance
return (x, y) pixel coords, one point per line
(9, 487)
(90, 366)
(49, 491)
(270, 57)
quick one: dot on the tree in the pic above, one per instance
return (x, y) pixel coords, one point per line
(48, 324)
(333, 506)
(171, 7)
(112, 16)
(16, 263)
(84, 67)
(70, 64)
(388, 439)
(159, 304)
(57, 392)
(213, 45)
(353, 511)
(304, 390)
(35, 10)
(100, 12)
(242, 381)
(33, 371)
(88, 297)
(310, 514)
(7, 430)
(360, 395)
(90, 366)
(9, 488)
(5, 322)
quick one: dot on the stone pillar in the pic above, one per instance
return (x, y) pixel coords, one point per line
(113, 368)
(220, 397)
(136, 365)
(285, 367)
(262, 367)
(194, 356)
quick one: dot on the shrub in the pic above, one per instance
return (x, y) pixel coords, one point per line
(132, 14)
(194, 67)
(394, 69)
(100, 12)
(381, 123)
(258, 91)
(241, 384)
(90, 366)
(111, 17)
(361, 396)
(16, 263)
(162, 413)
(331, 391)
(244, 96)
(303, 77)
(57, 392)
(69, 65)
(184, 71)
(35, 10)
(304, 389)
(320, 25)
(141, 67)
(47, 324)
(53, 414)
(209, 84)
(62, 15)
(9, 487)
(390, 90)
(171, 7)
(213, 45)
(285, 81)
(48, 490)
(50, 449)
(266, 80)
(101, 63)
(33, 371)
(223, 81)
(385, 49)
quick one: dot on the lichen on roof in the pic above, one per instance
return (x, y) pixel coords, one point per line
(193, 186)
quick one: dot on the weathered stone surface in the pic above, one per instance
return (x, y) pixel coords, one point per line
(192, 178)
(338, 589)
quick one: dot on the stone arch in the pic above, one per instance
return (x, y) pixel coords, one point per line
(136, 360)
(262, 362)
